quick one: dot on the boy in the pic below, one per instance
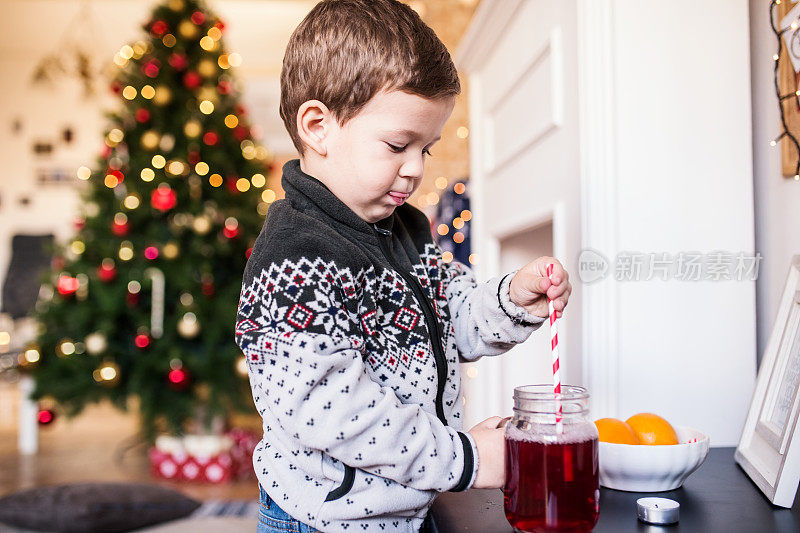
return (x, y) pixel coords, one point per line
(352, 324)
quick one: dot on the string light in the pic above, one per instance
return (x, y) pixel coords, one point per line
(462, 132)
(159, 161)
(215, 180)
(129, 92)
(147, 174)
(268, 196)
(441, 182)
(207, 43)
(201, 168)
(231, 121)
(235, 59)
(148, 92)
(258, 180)
(84, 173)
(442, 229)
(206, 107)
(459, 188)
(243, 184)
(785, 133)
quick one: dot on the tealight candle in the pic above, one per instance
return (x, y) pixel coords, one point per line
(658, 510)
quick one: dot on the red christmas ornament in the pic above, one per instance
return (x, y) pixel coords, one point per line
(208, 289)
(223, 87)
(67, 285)
(159, 28)
(132, 299)
(142, 115)
(198, 17)
(178, 61)
(142, 340)
(230, 232)
(193, 157)
(57, 263)
(106, 272)
(230, 184)
(117, 174)
(45, 416)
(163, 198)
(120, 230)
(241, 133)
(219, 25)
(210, 138)
(192, 80)
(79, 223)
(151, 68)
(151, 253)
(178, 378)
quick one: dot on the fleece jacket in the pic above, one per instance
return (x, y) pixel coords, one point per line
(353, 334)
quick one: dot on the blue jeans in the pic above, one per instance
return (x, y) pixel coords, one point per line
(273, 519)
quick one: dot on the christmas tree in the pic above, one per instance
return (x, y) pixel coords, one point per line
(142, 301)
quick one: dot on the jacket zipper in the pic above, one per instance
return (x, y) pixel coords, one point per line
(439, 357)
(430, 319)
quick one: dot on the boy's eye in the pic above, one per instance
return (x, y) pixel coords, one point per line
(399, 149)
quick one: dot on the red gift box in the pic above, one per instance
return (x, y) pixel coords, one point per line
(204, 458)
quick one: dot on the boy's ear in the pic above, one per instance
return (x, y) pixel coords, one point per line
(313, 125)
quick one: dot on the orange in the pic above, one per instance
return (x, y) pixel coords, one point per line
(615, 430)
(652, 429)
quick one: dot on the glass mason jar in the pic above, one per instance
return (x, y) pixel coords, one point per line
(552, 477)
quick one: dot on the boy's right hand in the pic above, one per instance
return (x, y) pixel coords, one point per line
(490, 441)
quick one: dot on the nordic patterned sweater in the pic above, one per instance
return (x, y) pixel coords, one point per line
(353, 334)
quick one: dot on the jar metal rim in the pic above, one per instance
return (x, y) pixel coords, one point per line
(544, 391)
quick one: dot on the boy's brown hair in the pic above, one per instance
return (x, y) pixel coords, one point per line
(346, 51)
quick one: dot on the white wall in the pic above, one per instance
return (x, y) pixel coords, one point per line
(650, 152)
(687, 349)
(777, 199)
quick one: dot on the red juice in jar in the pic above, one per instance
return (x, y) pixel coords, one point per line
(552, 481)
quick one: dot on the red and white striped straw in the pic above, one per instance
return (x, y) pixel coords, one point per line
(554, 347)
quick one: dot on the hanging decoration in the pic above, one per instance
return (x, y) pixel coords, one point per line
(785, 23)
(157, 302)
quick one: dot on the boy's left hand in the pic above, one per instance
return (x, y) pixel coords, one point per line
(530, 287)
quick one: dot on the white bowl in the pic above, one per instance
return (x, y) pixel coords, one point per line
(645, 468)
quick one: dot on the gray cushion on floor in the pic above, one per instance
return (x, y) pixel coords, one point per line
(94, 507)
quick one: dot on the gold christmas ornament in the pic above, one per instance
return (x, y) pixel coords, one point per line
(192, 128)
(96, 343)
(241, 366)
(167, 142)
(170, 250)
(207, 68)
(188, 29)
(207, 93)
(202, 225)
(188, 326)
(163, 95)
(150, 140)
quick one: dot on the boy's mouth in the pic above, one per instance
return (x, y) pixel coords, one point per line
(398, 197)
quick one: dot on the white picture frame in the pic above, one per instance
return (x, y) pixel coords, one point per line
(769, 449)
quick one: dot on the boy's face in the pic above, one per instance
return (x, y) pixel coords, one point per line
(376, 160)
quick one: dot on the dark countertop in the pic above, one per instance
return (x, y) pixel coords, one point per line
(719, 497)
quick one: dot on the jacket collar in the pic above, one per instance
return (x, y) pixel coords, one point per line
(308, 194)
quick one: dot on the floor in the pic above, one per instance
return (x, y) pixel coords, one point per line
(96, 446)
